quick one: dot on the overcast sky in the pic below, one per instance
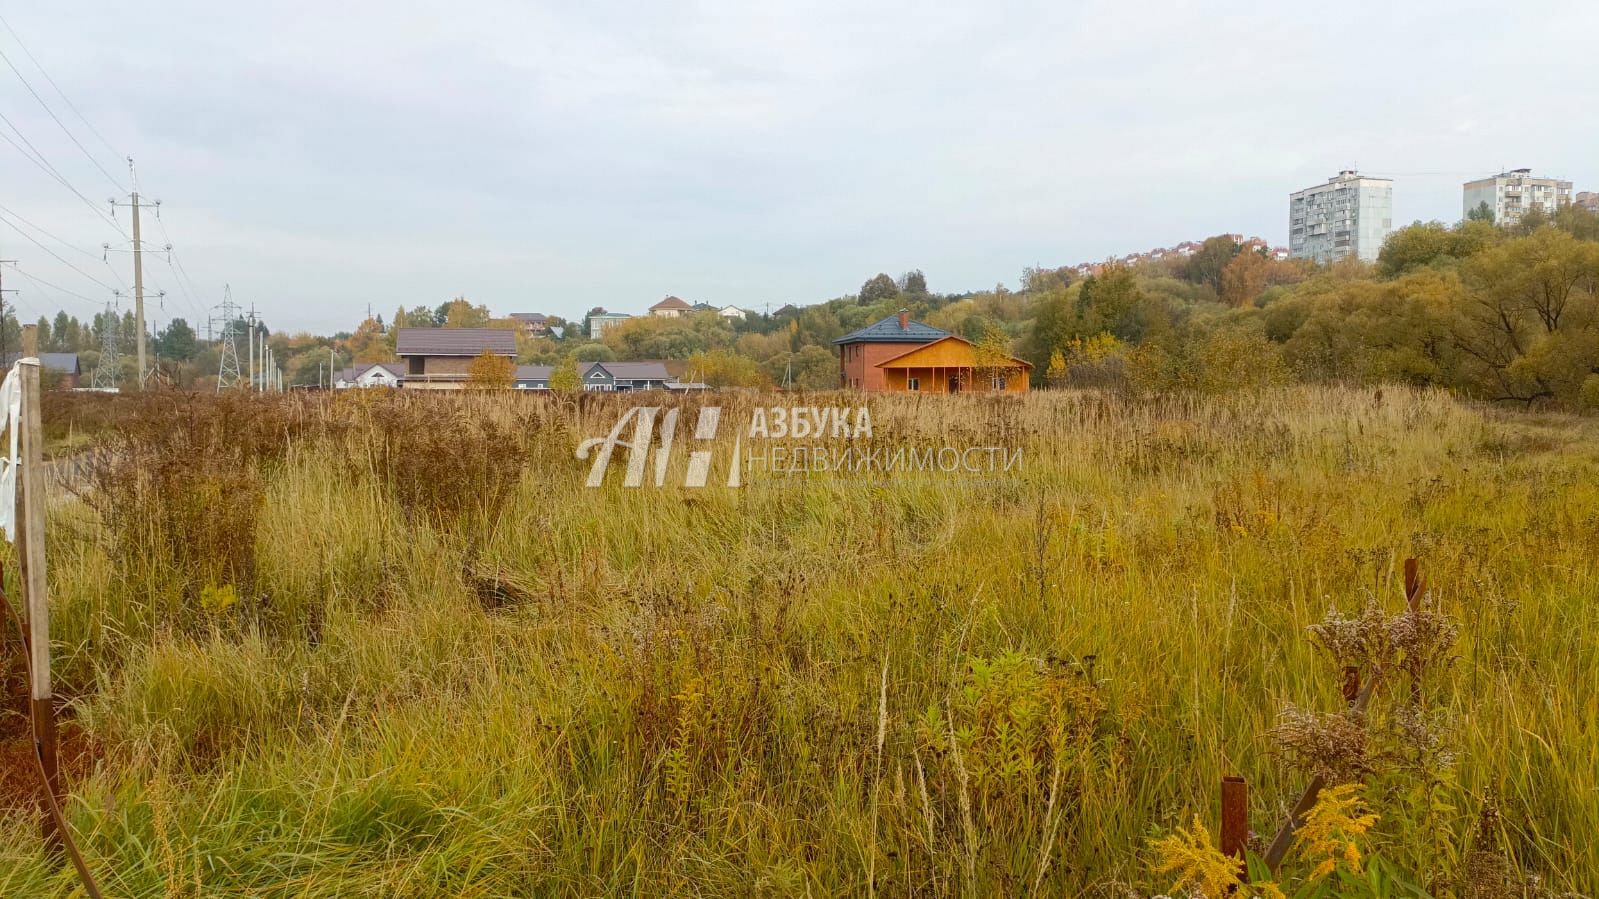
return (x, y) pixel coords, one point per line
(553, 157)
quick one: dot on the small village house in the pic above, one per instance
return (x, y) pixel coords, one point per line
(533, 324)
(441, 358)
(600, 321)
(897, 354)
(605, 377)
(671, 307)
(61, 370)
(370, 374)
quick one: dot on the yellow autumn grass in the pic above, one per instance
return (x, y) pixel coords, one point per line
(934, 684)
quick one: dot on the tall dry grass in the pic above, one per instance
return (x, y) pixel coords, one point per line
(370, 645)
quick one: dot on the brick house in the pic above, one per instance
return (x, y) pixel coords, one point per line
(441, 358)
(900, 355)
(860, 351)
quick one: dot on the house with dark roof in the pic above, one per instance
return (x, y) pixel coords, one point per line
(370, 374)
(860, 351)
(671, 307)
(533, 324)
(441, 358)
(606, 377)
(62, 368)
(896, 354)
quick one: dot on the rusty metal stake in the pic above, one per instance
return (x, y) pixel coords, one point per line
(1235, 821)
(1351, 682)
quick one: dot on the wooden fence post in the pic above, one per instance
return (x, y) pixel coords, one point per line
(36, 597)
(1235, 820)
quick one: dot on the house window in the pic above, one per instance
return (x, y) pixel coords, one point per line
(913, 383)
(999, 383)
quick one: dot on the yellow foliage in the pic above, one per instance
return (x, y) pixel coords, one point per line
(1329, 835)
(217, 600)
(1197, 862)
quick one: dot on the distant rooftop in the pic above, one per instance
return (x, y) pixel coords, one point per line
(888, 330)
(454, 341)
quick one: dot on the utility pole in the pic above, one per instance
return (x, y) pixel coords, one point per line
(251, 326)
(138, 264)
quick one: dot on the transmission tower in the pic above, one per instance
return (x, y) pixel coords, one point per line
(109, 369)
(228, 373)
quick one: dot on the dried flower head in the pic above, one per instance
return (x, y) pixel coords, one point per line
(1424, 638)
(1332, 745)
(1360, 640)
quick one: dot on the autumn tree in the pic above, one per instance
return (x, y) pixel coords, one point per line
(991, 359)
(491, 371)
(723, 368)
(458, 313)
(564, 378)
(1208, 262)
(1244, 278)
(1528, 320)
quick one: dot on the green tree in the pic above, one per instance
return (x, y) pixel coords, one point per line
(1208, 262)
(176, 341)
(877, 289)
(913, 283)
(1482, 212)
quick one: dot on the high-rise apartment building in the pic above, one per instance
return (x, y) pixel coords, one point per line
(1588, 200)
(1350, 215)
(1509, 195)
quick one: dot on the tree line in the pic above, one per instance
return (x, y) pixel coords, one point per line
(1508, 314)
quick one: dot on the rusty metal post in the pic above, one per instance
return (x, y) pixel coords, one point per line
(1351, 683)
(1414, 587)
(1235, 820)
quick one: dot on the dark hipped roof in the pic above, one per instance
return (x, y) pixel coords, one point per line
(454, 341)
(888, 331)
(62, 362)
(534, 317)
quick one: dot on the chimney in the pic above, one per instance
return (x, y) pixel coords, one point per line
(904, 319)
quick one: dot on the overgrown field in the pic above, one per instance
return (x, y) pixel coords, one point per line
(391, 646)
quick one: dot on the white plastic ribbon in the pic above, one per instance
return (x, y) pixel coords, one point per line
(11, 420)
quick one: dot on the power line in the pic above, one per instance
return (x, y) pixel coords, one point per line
(178, 271)
(59, 123)
(50, 170)
(38, 281)
(62, 94)
(68, 245)
(53, 253)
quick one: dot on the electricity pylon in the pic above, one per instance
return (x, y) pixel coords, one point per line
(109, 369)
(228, 373)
